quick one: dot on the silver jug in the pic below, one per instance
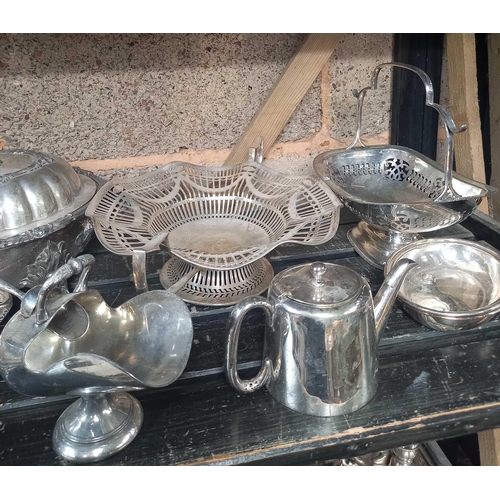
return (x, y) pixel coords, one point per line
(322, 332)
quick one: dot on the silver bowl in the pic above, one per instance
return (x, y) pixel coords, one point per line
(218, 219)
(214, 217)
(456, 285)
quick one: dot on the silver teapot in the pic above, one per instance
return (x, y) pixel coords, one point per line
(322, 332)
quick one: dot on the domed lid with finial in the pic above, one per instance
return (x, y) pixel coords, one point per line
(318, 283)
(37, 189)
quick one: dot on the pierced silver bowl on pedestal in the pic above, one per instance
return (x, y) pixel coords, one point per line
(217, 219)
(397, 192)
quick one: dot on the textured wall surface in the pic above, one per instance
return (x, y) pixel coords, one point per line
(91, 96)
(107, 96)
(351, 68)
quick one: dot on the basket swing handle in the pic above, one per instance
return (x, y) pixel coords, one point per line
(448, 192)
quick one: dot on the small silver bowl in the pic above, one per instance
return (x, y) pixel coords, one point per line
(456, 285)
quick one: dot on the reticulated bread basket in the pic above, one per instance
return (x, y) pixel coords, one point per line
(214, 218)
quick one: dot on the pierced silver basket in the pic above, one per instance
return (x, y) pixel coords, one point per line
(396, 191)
(216, 218)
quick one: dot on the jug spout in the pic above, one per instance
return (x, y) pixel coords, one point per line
(387, 294)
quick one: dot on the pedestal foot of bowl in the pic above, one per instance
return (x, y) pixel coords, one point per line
(97, 426)
(375, 245)
(217, 287)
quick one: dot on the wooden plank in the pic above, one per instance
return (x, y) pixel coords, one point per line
(494, 91)
(489, 441)
(428, 393)
(469, 149)
(464, 107)
(489, 447)
(286, 94)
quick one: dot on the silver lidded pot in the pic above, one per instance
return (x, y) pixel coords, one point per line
(322, 331)
(42, 214)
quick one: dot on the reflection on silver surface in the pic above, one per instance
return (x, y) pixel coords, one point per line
(5, 303)
(37, 190)
(219, 219)
(74, 343)
(456, 285)
(425, 454)
(322, 331)
(42, 222)
(404, 456)
(396, 189)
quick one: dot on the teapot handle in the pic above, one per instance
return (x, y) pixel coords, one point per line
(80, 265)
(233, 334)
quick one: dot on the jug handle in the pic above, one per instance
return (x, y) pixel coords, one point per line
(233, 333)
(80, 265)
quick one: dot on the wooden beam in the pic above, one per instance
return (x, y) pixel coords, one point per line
(489, 441)
(464, 107)
(286, 94)
(489, 447)
(494, 93)
(469, 157)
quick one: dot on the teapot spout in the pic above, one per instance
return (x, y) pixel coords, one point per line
(387, 294)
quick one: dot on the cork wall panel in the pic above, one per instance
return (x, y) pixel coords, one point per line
(111, 96)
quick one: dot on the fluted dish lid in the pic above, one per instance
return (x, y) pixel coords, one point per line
(37, 189)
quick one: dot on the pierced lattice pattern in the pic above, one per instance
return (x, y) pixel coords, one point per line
(215, 286)
(397, 188)
(217, 218)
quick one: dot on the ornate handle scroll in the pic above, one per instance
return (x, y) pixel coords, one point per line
(79, 265)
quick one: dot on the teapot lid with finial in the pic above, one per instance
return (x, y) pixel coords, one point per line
(319, 283)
